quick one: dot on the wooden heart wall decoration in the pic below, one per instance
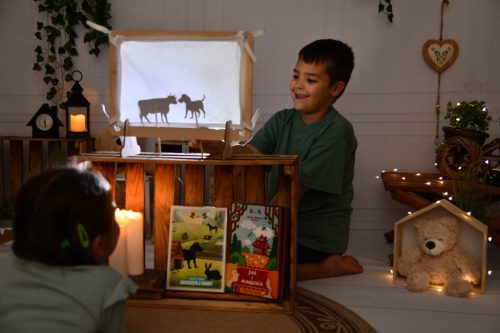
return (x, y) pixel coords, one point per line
(440, 54)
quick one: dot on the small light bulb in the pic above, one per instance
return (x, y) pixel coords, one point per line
(428, 183)
(490, 239)
(450, 198)
(438, 201)
(469, 213)
(490, 272)
(457, 119)
(440, 178)
(392, 272)
(445, 194)
(377, 177)
(395, 170)
(403, 178)
(487, 161)
(418, 173)
(409, 213)
(458, 104)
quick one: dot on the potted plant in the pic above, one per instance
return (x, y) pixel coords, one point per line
(470, 119)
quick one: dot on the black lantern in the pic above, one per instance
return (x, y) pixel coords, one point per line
(77, 111)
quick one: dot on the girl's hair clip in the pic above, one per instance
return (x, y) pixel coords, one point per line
(65, 244)
(83, 236)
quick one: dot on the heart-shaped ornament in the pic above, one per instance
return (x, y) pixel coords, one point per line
(440, 54)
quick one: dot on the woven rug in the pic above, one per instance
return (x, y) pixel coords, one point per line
(314, 313)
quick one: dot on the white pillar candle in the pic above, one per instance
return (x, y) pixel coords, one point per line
(118, 259)
(135, 243)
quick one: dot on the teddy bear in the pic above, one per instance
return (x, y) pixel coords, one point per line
(437, 259)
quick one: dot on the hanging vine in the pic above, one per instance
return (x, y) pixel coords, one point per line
(57, 36)
(385, 6)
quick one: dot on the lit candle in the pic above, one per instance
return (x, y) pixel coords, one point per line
(118, 259)
(128, 256)
(77, 123)
(135, 243)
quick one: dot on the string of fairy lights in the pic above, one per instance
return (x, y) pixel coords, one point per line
(446, 195)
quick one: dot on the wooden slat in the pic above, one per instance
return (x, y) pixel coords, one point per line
(108, 171)
(35, 157)
(255, 185)
(194, 181)
(56, 154)
(134, 187)
(2, 161)
(221, 189)
(163, 200)
(239, 183)
(410, 199)
(16, 166)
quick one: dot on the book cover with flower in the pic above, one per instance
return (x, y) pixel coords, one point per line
(257, 249)
(197, 247)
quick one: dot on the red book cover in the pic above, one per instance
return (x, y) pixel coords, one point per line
(255, 258)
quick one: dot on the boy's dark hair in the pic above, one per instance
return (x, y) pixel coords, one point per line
(337, 56)
(58, 213)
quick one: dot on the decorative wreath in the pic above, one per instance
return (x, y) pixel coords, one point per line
(458, 155)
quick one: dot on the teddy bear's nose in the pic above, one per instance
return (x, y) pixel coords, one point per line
(430, 245)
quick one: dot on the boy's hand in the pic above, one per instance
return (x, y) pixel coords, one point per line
(207, 146)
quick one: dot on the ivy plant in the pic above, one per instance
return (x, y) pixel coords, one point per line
(57, 39)
(385, 6)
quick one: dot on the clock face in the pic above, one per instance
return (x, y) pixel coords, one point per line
(44, 122)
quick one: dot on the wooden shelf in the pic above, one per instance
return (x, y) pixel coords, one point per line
(197, 180)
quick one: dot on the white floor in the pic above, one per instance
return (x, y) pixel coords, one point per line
(389, 307)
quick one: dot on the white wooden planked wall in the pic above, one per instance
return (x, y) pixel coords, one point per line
(390, 99)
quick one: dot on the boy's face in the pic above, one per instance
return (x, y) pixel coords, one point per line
(311, 90)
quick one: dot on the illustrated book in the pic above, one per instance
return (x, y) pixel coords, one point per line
(257, 250)
(197, 248)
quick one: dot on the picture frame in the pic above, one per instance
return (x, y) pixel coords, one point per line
(182, 85)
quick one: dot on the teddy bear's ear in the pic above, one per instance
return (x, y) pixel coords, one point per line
(418, 223)
(451, 224)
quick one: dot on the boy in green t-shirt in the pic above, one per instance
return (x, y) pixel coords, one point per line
(325, 142)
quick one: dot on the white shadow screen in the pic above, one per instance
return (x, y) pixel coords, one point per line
(179, 83)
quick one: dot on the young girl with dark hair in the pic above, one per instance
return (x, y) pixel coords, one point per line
(57, 278)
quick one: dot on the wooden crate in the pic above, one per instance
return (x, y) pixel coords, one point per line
(22, 157)
(191, 180)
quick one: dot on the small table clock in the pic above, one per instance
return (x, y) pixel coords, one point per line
(45, 123)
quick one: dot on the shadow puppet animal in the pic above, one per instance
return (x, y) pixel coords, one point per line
(212, 275)
(155, 106)
(190, 255)
(196, 107)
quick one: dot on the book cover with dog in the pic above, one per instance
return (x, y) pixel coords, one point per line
(197, 247)
(255, 259)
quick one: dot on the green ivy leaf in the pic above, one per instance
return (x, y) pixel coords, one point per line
(49, 69)
(68, 77)
(39, 25)
(47, 79)
(51, 93)
(38, 50)
(38, 35)
(381, 7)
(39, 58)
(67, 63)
(37, 67)
(51, 58)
